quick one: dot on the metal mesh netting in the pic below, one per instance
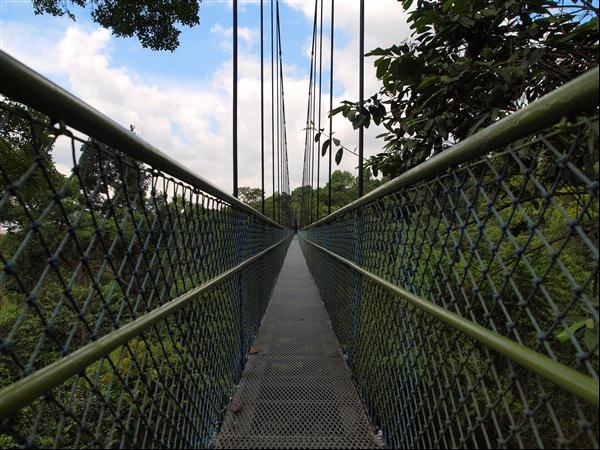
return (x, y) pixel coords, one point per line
(509, 241)
(89, 246)
(296, 391)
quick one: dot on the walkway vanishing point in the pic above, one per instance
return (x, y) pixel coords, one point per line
(296, 390)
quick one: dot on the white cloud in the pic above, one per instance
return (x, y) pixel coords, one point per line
(246, 35)
(192, 122)
(385, 25)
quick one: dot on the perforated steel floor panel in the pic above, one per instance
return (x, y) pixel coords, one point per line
(296, 390)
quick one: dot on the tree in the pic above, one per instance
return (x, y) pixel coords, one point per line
(251, 196)
(25, 148)
(343, 191)
(470, 62)
(153, 23)
(103, 169)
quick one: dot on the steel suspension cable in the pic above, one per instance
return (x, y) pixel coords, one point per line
(306, 198)
(331, 104)
(262, 110)
(282, 156)
(320, 98)
(312, 130)
(272, 116)
(283, 124)
(277, 140)
(305, 162)
(313, 113)
(235, 98)
(361, 83)
(279, 75)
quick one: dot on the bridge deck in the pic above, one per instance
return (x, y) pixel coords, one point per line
(296, 390)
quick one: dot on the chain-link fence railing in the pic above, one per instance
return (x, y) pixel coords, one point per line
(130, 293)
(465, 292)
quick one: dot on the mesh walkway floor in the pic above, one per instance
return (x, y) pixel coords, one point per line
(296, 390)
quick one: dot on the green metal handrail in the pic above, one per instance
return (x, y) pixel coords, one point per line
(464, 292)
(567, 378)
(26, 390)
(131, 289)
(26, 86)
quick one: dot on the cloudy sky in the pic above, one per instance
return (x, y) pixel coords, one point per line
(181, 101)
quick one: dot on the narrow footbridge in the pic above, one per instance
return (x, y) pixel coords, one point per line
(296, 390)
(141, 306)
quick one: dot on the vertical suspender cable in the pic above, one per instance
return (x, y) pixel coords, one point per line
(284, 168)
(311, 142)
(320, 97)
(277, 139)
(282, 106)
(272, 115)
(306, 155)
(302, 186)
(301, 223)
(306, 186)
(306, 168)
(235, 98)
(330, 105)
(361, 82)
(313, 125)
(262, 110)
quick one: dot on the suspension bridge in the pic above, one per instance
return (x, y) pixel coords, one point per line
(142, 306)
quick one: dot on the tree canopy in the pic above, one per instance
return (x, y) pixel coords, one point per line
(343, 191)
(153, 23)
(251, 196)
(469, 63)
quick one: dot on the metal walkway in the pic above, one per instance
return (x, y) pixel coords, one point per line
(296, 390)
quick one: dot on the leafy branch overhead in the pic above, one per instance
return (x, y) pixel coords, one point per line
(469, 63)
(335, 144)
(153, 23)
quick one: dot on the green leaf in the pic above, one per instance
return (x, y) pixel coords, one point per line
(338, 156)
(462, 6)
(358, 121)
(317, 137)
(447, 79)
(337, 110)
(466, 22)
(379, 52)
(407, 68)
(325, 146)
(565, 335)
(427, 81)
(491, 11)
(382, 67)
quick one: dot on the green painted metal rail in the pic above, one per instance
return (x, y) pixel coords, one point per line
(569, 379)
(22, 84)
(465, 291)
(26, 390)
(131, 288)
